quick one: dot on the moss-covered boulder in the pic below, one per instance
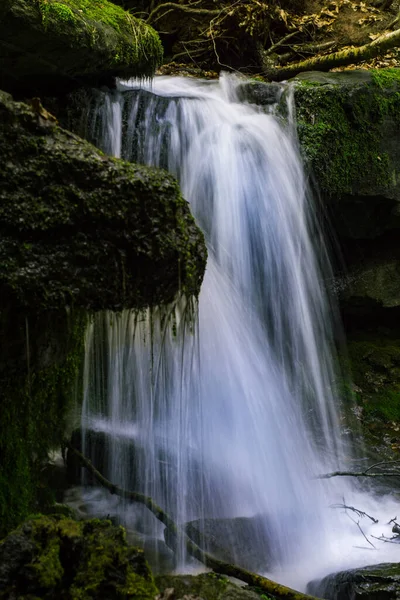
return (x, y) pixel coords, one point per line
(349, 129)
(378, 582)
(50, 45)
(79, 228)
(51, 557)
(208, 586)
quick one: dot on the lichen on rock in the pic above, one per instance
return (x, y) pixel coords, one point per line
(53, 557)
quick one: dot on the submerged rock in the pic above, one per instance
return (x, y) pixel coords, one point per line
(241, 540)
(378, 582)
(207, 586)
(51, 558)
(80, 228)
(48, 45)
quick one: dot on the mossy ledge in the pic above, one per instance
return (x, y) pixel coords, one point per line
(50, 45)
(50, 557)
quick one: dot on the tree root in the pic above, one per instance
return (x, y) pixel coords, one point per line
(253, 579)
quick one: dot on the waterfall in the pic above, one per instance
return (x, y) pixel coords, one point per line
(226, 407)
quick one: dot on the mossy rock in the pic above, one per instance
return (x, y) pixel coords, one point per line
(78, 228)
(377, 582)
(208, 586)
(373, 360)
(349, 130)
(40, 359)
(49, 557)
(56, 44)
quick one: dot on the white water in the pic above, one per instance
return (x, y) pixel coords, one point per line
(236, 416)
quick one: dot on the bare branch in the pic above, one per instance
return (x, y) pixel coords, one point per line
(388, 472)
(359, 527)
(360, 513)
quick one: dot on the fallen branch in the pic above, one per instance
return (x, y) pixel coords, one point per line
(358, 512)
(389, 470)
(253, 579)
(338, 59)
(363, 534)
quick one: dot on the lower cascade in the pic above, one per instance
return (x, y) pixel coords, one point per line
(226, 408)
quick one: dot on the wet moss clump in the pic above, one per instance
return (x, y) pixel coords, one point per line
(53, 557)
(44, 43)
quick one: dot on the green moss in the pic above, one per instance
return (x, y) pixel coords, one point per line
(75, 561)
(56, 42)
(342, 131)
(35, 400)
(386, 78)
(375, 366)
(84, 16)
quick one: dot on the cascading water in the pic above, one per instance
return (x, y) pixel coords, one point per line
(233, 413)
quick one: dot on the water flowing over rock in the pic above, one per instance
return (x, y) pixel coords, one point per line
(236, 419)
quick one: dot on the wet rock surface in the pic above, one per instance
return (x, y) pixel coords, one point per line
(241, 540)
(378, 582)
(207, 586)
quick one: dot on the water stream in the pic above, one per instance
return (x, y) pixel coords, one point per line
(230, 404)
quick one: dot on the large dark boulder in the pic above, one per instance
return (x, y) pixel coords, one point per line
(80, 228)
(243, 541)
(379, 582)
(53, 557)
(49, 45)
